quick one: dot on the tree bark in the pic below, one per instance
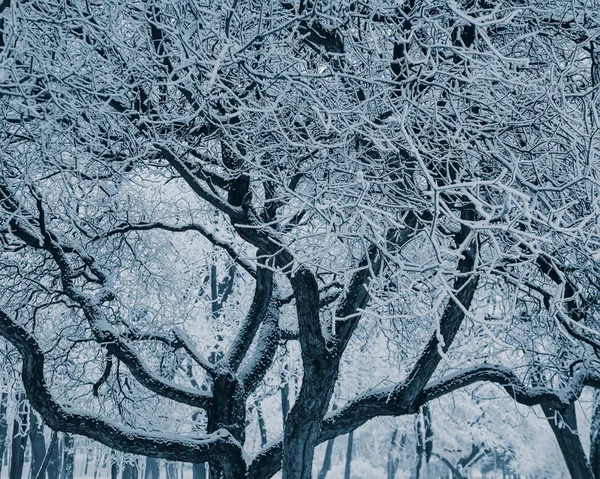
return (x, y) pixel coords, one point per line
(348, 468)
(595, 437)
(68, 461)
(54, 460)
(38, 444)
(564, 426)
(199, 471)
(41, 473)
(114, 466)
(19, 439)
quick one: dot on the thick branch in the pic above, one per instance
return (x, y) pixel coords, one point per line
(219, 446)
(123, 351)
(396, 402)
(263, 292)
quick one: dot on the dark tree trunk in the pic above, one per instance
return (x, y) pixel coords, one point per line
(199, 471)
(19, 440)
(424, 434)
(54, 460)
(327, 460)
(130, 469)
(349, 455)
(41, 473)
(228, 411)
(152, 469)
(38, 445)
(114, 466)
(595, 437)
(564, 427)
(3, 427)
(303, 424)
(261, 426)
(68, 461)
(285, 400)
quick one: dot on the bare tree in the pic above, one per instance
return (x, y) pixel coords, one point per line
(187, 187)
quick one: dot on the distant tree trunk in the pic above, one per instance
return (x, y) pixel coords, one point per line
(392, 462)
(595, 437)
(327, 460)
(54, 461)
(424, 433)
(171, 468)
(44, 466)
(152, 469)
(130, 469)
(38, 445)
(261, 426)
(199, 471)
(68, 460)
(114, 466)
(19, 439)
(349, 455)
(285, 398)
(3, 427)
(564, 427)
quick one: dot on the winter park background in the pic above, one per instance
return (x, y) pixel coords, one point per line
(299, 239)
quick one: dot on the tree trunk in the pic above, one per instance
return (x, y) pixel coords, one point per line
(349, 455)
(152, 469)
(54, 461)
(595, 437)
(114, 466)
(3, 427)
(38, 445)
(228, 411)
(303, 424)
(171, 468)
(199, 471)
(392, 462)
(327, 460)
(19, 439)
(68, 461)
(564, 427)
(41, 473)
(262, 426)
(424, 434)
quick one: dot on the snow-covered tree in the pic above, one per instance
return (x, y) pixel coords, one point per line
(213, 210)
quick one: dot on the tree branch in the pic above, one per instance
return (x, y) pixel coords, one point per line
(219, 446)
(234, 255)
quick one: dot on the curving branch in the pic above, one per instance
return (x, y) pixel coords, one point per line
(263, 293)
(268, 341)
(159, 225)
(122, 350)
(220, 446)
(396, 401)
(464, 288)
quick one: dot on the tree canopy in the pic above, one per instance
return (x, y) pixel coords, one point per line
(204, 201)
